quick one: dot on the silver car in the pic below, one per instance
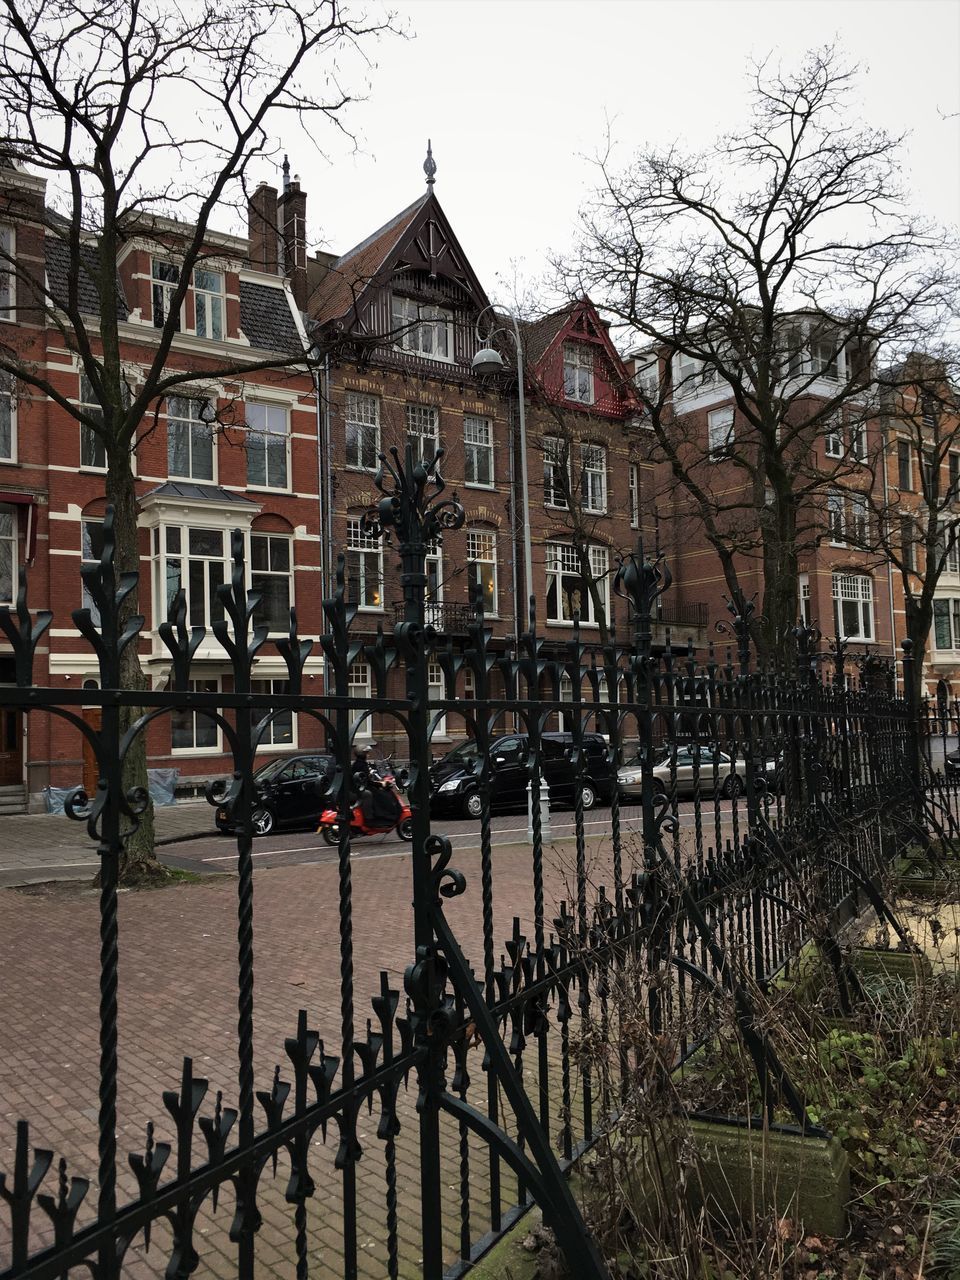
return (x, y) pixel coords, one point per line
(696, 767)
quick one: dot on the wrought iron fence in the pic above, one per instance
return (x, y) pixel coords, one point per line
(767, 805)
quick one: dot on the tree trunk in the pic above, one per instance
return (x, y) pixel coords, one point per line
(781, 583)
(138, 863)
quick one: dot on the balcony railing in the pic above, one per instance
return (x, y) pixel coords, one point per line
(448, 619)
(676, 614)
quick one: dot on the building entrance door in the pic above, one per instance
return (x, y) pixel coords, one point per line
(11, 735)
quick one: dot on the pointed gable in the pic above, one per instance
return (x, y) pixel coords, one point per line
(416, 252)
(578, 324)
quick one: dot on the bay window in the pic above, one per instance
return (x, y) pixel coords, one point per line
(362, 431)
(272, 575)
(593, 478)
(208, 299)
(190, 454)
(567, 592)
(578, 372)
(482, 567)
(946, 624)
(268, 441)
(422, 330)
(477, 450)
(853, 606)
(423, 431)
(196, 559)
(192, 730)
(364, 567)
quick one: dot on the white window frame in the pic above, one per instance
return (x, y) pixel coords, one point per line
(162, 288)
(578, 375)
(720, 432)
(952, 615)
(858, 441)
(554, 448)
(196, 427)
(481, 561)
(89, 440)
(806, 605)
(436, 692)
(8, 409)
(9, 553)
(423, 425)
(634, 495)
(593, 478)
(434, 596)
(858, 520)
(647, 381)
(266, 421)
(208, 684)
(165, 585)
(8, 274)
(953, 476)
(901, 445)
(368, 552)
(89, 555)
(837, 519)
(688, 374)
(360, 685)
(477, 444)
(361, 430)
(562, 562)
(214, 300)
(270, 741)
(422, 330)
(274, 542)
(853, 588)
(833, 437)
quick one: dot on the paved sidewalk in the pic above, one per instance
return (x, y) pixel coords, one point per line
(36, 847)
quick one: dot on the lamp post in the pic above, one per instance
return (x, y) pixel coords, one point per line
(489, 360)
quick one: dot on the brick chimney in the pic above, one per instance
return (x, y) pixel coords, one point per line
(292, 213)
(262, 215)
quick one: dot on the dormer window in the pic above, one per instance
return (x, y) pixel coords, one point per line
(578, 372)
(208, 300)
(422, 330)
(166, 278)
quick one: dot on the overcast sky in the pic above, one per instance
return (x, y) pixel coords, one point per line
(516, 95)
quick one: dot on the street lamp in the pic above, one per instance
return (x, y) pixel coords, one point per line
(489, 360)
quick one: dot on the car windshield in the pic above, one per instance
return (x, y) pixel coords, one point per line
(466, 751)
(269, 771)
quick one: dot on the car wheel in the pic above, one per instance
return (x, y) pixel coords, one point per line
(405, 829)
(473, 804)
(331, 833)
(262, 822)
(733, 787)
(588, 796)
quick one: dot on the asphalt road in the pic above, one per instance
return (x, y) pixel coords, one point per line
(218, 853)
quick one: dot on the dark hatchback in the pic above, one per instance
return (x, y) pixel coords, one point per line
(454, 777)
(290, 792)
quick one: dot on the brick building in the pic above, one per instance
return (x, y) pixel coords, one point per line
(844, 587)
(223, 453)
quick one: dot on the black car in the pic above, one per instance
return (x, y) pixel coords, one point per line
(454, 777)
(290, 792)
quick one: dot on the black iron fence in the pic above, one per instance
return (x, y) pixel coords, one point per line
(756, 809)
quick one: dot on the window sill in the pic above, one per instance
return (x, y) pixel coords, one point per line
(595, 511)
(363, 471)
(259, 488)
(551, 622)
(475, 484)
(196, 752)
(92, 471)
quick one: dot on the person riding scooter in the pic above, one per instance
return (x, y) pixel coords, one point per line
(377, 802)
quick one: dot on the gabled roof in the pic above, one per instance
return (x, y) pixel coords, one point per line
(542, 335)
(419, 237)
(349, 276)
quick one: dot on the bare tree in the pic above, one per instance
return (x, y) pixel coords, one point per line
(146, 120)
(913, 504)
(781, 266)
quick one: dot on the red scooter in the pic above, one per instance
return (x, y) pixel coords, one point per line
(400, 820)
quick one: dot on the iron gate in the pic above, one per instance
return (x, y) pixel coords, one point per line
(801, 788)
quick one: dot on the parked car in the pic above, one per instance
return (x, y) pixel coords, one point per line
(455, 776)
(951, 764)
(291, 791)
(694, 765)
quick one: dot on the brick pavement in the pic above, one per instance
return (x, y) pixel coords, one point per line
(37, 847)
(177, 998)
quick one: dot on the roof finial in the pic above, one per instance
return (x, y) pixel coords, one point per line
(286, 171)
(430, 165)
